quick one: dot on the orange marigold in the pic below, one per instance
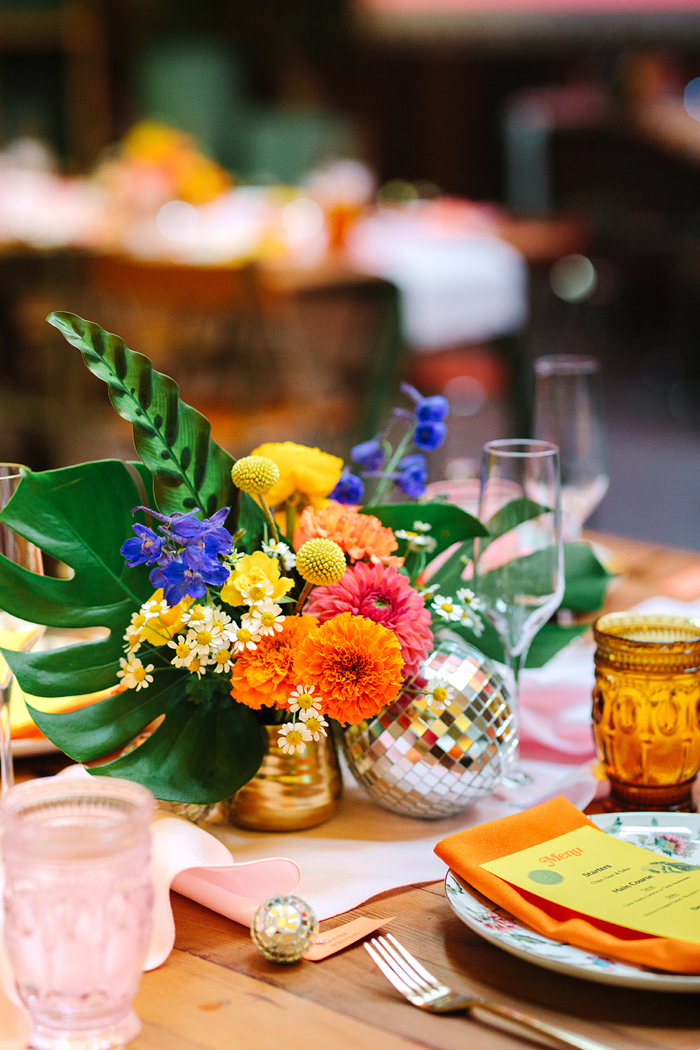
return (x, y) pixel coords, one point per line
(359, 535)
(355, 664)
(265, 676)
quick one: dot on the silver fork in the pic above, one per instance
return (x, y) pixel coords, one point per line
(423, 990)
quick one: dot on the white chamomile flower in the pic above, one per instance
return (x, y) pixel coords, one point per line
(416, 542)
(197, 615)
(427, 593)
(438, 693)
(467, 597)
(206, 638)
(294, 736)
(470, 619)
(265, 618)
(222, 660)
(282, 551)
(152, 608)
(133, 674)
(446, 608)
(183, 653)
(302, 699)
(422, 526)
(197, 665)
(244, 638)
(259, 592)
(315, 723)
(133, 638)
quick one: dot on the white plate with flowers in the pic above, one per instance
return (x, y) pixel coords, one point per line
(668, 834)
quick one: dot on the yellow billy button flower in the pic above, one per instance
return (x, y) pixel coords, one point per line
(255, 474)
(320, 562)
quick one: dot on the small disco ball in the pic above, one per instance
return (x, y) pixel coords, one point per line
(418, 761)
(283, 928)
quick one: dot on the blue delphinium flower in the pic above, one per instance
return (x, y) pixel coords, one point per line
(349, 488)
(412, 475)
(369, 454)
(143, 549)
(432, 409)
(429, 435)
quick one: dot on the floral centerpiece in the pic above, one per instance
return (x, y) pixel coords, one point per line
(279, 589)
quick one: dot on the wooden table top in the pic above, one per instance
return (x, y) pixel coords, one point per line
(216, 992)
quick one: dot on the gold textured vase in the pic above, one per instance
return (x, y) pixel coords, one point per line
(289, 792)
(646, 708)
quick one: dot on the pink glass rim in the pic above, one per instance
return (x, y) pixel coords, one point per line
(29, 824)
(566, 365)
(15, 468)
(521, 448)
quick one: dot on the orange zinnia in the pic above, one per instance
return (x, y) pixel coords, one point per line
(359, 535)
(355, 664)
(265, 676)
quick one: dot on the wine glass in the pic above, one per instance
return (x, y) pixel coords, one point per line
(15, 633)
(568, 413)
(519, 566)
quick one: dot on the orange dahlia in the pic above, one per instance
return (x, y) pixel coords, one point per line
(355, 664)
(265, 676)
(359, 535)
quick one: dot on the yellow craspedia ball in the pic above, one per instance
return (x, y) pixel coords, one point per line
(255, 474)
(320, 562)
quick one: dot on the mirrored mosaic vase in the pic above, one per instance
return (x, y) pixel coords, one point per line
(418, 761)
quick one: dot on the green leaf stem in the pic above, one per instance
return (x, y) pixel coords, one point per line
(190, 471)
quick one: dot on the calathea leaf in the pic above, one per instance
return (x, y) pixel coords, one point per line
(80, 515)
(190, 471)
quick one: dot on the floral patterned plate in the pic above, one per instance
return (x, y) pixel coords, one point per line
(669, 834)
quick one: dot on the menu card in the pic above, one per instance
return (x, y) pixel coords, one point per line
(601, 876)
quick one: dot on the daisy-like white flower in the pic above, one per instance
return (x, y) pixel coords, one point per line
(428, 592)
(467, 597)
(133, 674)
(197, 615)
(243, 638)
(206, 638)
(315, 723)
(282, 551)
(294, 736)
(439, 692)
(302, 699)
(133, 639)
(197, 665)
(422, 526)
(153, 608)
(222, 660)
(265, 618)
(470, 619)
(446, 608)
(416, 541)
(183, 653)
(259, 592)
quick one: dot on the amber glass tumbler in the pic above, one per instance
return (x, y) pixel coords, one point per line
(646, 709)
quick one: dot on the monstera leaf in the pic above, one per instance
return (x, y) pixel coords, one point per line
(205, 748)
(190, 471)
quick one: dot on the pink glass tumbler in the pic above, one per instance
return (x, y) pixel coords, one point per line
(78, 902)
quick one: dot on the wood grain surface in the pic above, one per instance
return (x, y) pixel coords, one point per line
(217, 993)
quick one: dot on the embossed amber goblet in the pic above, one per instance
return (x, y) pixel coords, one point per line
(646, 709)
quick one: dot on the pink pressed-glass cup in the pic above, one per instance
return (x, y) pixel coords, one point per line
(78, 902)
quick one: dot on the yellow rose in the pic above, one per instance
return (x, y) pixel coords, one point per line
(306, 470)
(253, 570)
(158, 630)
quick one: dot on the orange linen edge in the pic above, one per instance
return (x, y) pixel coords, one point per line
(467, 850)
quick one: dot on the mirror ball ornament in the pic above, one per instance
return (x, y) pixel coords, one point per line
(283, 928)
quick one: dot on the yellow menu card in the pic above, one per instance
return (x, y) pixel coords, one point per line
(598, 875)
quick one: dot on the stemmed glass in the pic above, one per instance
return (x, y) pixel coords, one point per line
(519, 566)
(15, 633)
(568, 413)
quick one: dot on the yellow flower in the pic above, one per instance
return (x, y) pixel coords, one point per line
(321, 562)
(305, 470)
(252, 570)
(159, 629)
(255, 474)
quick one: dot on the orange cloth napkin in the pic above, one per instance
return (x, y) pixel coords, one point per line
(466, 850)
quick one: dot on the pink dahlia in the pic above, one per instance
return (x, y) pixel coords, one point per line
(381, 594)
